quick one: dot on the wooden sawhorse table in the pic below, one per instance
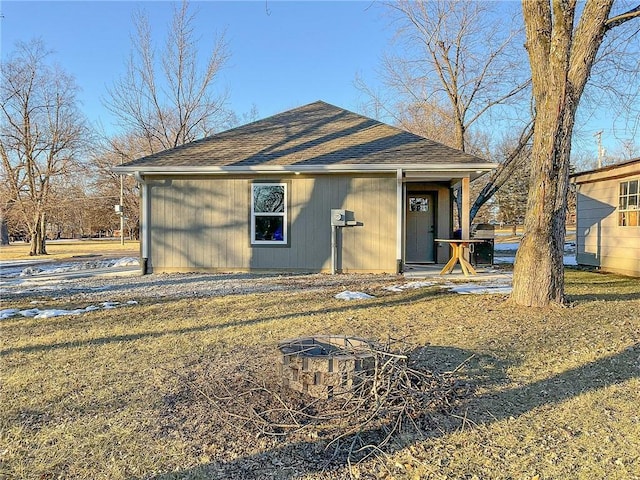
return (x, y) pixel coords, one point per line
(457, 255)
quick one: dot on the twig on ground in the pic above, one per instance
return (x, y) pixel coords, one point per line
(393, 399)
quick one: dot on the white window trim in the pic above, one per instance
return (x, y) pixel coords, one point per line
(284, 214)
(627, 210)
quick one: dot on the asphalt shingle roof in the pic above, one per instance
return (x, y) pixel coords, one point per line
(317, 134)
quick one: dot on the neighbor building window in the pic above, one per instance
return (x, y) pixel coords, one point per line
(629, 204)
(268, 213)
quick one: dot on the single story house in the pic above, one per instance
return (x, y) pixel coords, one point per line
(608, 218)
(260, 197)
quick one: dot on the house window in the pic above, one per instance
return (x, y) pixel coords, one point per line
(268, 213)
(629, 204)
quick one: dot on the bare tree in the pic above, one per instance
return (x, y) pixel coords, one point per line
(462, 60)
(6, 202)
(115, 151)
(42, 133)
(458, 65)
(169, 101)
(562, 44)
(511, 162)
(511, 198)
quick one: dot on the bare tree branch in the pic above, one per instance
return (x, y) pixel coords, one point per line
(172, 101)
(42, 135)
(620, 19)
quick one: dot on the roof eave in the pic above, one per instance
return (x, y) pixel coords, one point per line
(308, 169)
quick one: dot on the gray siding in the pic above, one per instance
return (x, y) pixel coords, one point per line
(201, 224)
(600, 242)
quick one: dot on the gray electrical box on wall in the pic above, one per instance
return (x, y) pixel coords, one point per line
(338, 217)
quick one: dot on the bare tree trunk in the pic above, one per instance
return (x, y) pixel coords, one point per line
(4, 232)
(35, 233)
(38, 245)
(561, 56)
(539, 271)
(42, 248)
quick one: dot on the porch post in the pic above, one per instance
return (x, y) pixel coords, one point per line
(465, 221)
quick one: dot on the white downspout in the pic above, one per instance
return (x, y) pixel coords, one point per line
(144, 222)
(399, 219)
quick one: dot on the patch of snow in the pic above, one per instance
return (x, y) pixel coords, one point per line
(55, 312)
(479, 288)
(506, 247)
(491, 270)
(8, 313)
(26, 272)
(566, 260)
(502, 259)
(407, 286)
(126, 262)
(347, 295)
(57, 268)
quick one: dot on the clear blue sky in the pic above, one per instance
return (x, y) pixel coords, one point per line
(292, 54)
(283, 54)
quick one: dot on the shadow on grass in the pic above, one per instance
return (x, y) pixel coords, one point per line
(386, 301)
(609, 297)
(307, 457)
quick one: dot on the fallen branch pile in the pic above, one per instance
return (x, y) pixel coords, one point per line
(391, 403)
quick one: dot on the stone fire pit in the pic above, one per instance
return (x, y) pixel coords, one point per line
(325, 365)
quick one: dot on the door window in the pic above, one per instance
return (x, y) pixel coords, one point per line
(418, 204)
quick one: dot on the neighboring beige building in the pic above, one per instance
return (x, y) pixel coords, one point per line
(608, 218)
(260, 197)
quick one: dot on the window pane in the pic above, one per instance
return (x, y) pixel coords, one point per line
(269, 228)
(624, 188)
(268, 198)
(622, 219)
(623, 203)
(633, 187)
(632, 203)
(417, 204)
(633, 219)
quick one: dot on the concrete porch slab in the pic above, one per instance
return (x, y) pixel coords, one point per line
(432, 272)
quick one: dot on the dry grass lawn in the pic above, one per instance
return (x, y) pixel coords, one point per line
(66, 249)
(123, 394)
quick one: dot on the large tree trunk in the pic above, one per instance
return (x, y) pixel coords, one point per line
(538, 276)
(38, 240)
(561, 56)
